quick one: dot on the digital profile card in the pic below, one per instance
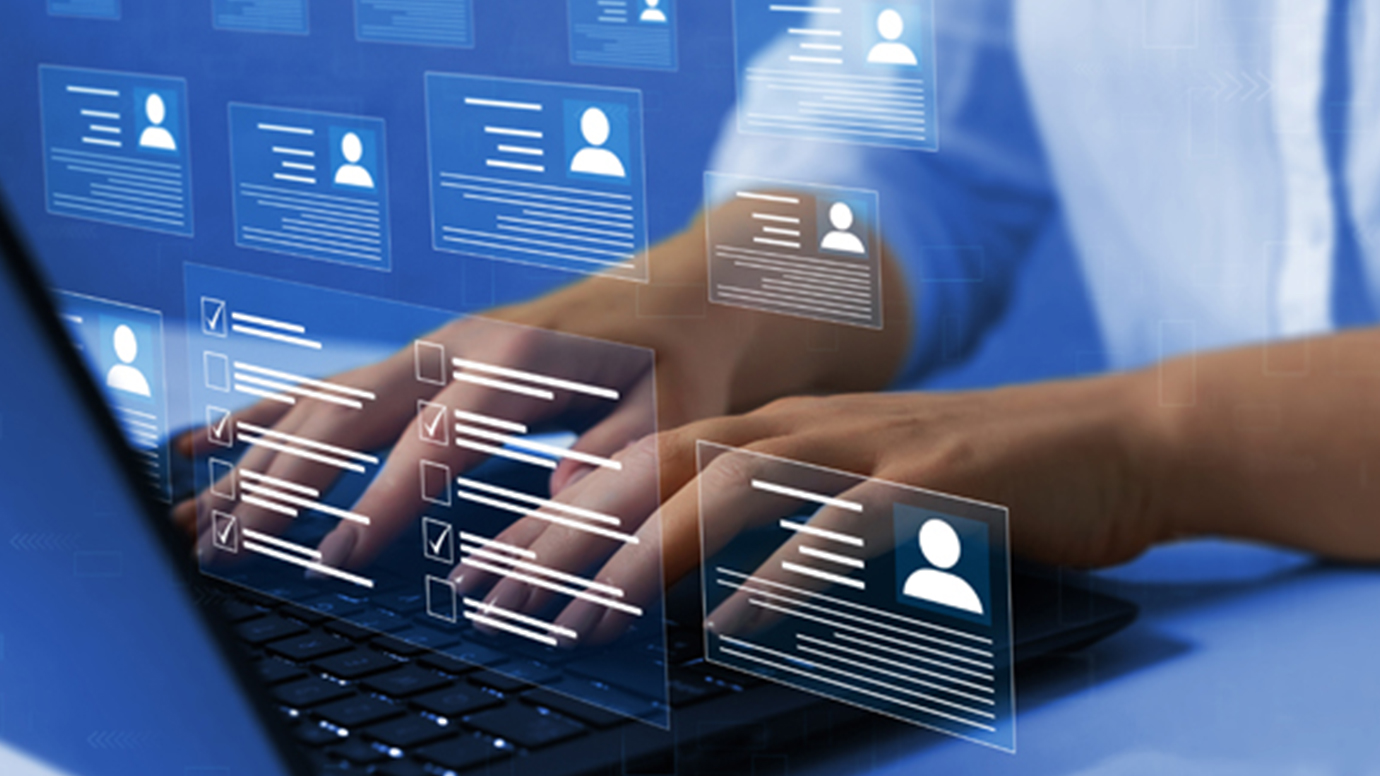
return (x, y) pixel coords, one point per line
(794, 249)
(286, 17)
(538, 173)
(876, 594)
(418, 22)
(116, 148)
(855, 71)
(624, 33)
(311, 184)
(86, 9)
(122, 346)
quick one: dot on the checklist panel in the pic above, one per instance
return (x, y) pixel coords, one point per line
(623, 33)
(311, 184)
(421, 22)
(853, 71)
(794, 249)
(280, 16)
(123, 348)
(472, 434)
(89, 9)
(538, 173)
(115, 148)
(886, 597)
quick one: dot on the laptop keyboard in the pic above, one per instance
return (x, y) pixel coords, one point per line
(365, 703)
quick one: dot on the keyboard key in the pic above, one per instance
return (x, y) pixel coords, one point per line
(402, 603)
(408, 680)
(308, 647)
(302, 614)
(356, 751)
(430, 638)
(355, 664)
(311, 691)
(358, 711)
(577, 710)
(409, 731)
(313, 734)
(497, 681)
(275, 671)
(525, 726)
(479, 655)
(455, 701)
(333, 605)
(266, 629)
(380, 620)
(446, 663)
(396, 646)
(239, 611)
(349, 630)
(461, 753)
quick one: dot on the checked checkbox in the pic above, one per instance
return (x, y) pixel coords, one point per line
(431, 423)
(438, 541)
(213, 317)
(218, 427)
(225, 532)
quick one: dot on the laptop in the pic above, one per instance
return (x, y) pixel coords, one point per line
(120, 657)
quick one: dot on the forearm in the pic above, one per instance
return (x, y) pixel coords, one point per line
(1274, 443)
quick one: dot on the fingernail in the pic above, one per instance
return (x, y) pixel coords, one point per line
(579, 474)
(581, 618)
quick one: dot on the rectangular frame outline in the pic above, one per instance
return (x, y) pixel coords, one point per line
(474, 33)
(675, 44)
(306, 19)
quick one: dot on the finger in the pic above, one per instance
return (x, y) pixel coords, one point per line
(634, 419)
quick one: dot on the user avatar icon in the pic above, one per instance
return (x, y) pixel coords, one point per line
(891, 51)
(942, 549)
(124, 376)
(652, 14)
(842, 239)
(352, 173)
(155, 135)
(595, 159)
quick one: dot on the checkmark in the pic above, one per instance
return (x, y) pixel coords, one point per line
(431, 423)
(213, 316)
(437, 541)
(224, 532)
(218, 427)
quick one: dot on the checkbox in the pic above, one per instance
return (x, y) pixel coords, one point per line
(222, 479)
(225, 532)
(435, 478)
(430, 361)
(217, 366)
(213, 317)
(438, 541)
(431, 423)
(440, 599)
(218, 430)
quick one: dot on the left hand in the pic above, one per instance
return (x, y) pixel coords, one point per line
(1068, 459)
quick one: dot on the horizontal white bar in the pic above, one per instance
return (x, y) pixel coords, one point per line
(312, 443)
(307, 454)
(293, 151)
(552, 382)
(510, 628)
(552, 586)
(768, 197)
(910, 654)
(101, 114)
(310, 564)
(989, 690)
(303, 392)
(502, 164)
(97, 141)
(513, 455)
(598, 517)
(282, 176)
(269, 505)
(268, 480)
(521, 150)
(776, 218)
(541, 570)
(496, 545)
(842, 560)
(805, 495)
(530, 134)
(506, 425)
(503, 385)
(777, 243)
(275, 336)
(488, 609)
(286, 129)
(816, 60)
(538, 447)
(262, 394)
(73, 89)
(345, 389)
(820, 33)
(509, 104)
(250, 533)
(806, 9)
(550, 518)
(822, 533)
(314, 506)
(856, 584)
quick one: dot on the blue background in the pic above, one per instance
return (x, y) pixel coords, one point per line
(421, 23)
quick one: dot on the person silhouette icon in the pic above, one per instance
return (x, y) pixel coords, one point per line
(941, 547)
(595, 159)
(352, 173)
(652, 14)
(155, 136)
(124, 376)
(891, 51)
(841, 239)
